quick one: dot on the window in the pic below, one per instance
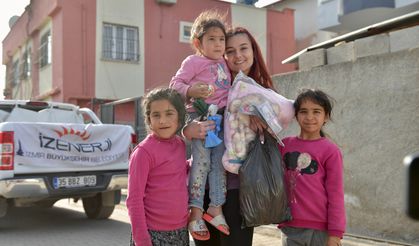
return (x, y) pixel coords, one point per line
(120, 43)
(45, 50)
(15, 74)
(26, 64)
(185, 32)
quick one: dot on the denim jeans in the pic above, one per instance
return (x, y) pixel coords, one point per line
(206, 163)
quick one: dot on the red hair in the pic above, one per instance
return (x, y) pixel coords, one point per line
(258, 71)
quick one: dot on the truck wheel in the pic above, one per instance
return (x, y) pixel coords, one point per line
(95, 208)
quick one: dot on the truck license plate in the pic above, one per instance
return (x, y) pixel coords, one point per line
(72, 182)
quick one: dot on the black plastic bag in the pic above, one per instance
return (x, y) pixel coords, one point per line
(263, 197)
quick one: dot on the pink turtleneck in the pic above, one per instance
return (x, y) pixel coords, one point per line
(157, 192)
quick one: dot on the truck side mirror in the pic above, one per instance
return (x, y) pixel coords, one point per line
(411, 163)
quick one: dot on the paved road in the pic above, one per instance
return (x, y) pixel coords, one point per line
(66, 225)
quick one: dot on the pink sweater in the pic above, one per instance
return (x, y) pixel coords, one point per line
(314, 177)
(157, 192)
(201, 69)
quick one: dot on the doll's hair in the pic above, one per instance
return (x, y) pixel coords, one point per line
(206, 20)
(164, 93)
(258, 71)
(318, 97)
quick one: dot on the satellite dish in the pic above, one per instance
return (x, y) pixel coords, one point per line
(13, 20)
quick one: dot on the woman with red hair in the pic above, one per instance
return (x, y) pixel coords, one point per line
(242, 54)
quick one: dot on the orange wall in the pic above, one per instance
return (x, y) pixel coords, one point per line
(73, 32)
(280, 40)
(58, 69)
(164, 53)
(77, 30)
(27, 26)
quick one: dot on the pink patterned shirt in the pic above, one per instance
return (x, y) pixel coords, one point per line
(314, 177)
(196, 69)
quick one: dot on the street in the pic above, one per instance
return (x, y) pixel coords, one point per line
(65, 224)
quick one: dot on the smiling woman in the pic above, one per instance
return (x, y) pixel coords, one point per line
(242, 54)
(239, 54)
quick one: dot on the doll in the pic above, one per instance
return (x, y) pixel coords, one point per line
(212, 139)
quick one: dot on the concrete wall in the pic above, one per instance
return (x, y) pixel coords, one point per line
(375, 124)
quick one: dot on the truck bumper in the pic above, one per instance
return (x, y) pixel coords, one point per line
(39, 187)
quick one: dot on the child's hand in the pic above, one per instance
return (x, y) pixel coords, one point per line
(198, 129)
(200, 90)
(333, 241)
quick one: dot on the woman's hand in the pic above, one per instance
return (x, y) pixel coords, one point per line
(257, 125)
(200, 90)
(333, 241)
(197, 129)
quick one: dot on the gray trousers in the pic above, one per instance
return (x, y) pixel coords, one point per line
(292, 236)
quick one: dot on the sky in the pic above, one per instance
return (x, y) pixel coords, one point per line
(8, 8)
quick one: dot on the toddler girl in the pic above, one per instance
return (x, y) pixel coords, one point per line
(205, 76)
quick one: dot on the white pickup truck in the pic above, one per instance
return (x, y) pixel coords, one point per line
(50, 151)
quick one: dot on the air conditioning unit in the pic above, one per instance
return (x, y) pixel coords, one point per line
(166, 1)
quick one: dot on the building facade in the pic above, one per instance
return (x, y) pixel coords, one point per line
(81, 50)
(319, 20)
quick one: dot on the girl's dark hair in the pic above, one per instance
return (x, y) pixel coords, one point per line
(258, 71)
(205, 21)
(318, 97)
(164, 93)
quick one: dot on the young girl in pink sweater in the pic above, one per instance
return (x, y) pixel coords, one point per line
(157, 198)
(314, 176)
